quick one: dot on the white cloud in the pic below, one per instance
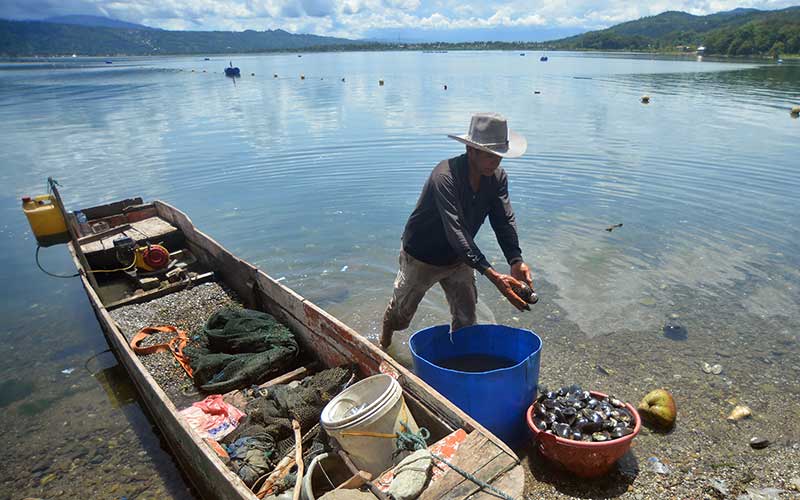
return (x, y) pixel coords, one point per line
(353, 18)
(403, 4)
(318, 8)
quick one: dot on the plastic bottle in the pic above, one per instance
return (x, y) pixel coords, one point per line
(83, 222)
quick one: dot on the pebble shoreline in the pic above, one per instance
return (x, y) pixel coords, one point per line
(705, 456)
(759, 369)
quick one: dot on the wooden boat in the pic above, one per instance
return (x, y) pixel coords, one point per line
(326, 338)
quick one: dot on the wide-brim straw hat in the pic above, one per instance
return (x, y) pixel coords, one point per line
(489, 132)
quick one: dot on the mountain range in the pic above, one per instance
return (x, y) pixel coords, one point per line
(30, 38)
(740, 32)
(97, 21)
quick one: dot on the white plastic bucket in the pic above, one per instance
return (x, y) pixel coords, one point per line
(367, 394)
(369, 435)
(324, 469)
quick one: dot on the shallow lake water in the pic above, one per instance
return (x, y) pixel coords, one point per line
(312, 180)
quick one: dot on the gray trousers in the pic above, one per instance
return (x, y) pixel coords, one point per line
(415, 278)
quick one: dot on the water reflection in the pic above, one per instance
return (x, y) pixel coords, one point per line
(13, 390)
(313, 180)
(114, 380)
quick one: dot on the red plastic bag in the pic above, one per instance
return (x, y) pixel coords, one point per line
(212, 417)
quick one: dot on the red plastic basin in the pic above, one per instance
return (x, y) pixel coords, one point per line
(584, 458)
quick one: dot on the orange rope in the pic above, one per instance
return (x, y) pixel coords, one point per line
(175, 344)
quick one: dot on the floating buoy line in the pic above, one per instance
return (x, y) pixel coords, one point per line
(644, 99)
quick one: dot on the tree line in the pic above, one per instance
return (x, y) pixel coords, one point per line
(741, 32)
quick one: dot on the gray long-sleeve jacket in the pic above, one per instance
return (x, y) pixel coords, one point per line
(448, 215)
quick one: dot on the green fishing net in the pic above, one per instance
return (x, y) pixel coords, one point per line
(265, 435)
(238, 348)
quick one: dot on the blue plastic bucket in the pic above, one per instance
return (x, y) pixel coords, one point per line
(497, 398)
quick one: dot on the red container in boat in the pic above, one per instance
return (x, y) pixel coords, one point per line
(584, 458)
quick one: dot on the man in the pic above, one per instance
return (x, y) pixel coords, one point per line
(438, 245)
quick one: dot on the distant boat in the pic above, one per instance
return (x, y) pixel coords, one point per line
(232, 71)
(109, 62)
(206, 59)
(522, 53)
(543, 59)
(780, 61)
(74, 55)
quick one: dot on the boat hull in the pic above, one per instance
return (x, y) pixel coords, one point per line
(332, 342)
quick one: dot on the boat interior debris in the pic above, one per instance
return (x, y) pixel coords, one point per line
(259, 392)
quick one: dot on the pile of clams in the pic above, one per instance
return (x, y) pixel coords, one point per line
(573, 413)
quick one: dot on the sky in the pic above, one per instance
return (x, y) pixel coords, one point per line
(445, 20)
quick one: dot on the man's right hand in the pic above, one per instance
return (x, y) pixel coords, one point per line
(504, 283)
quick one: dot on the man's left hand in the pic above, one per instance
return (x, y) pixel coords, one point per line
(522, 272)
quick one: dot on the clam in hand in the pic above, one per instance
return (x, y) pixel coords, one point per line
(525, 292)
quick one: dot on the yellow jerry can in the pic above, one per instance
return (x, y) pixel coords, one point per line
(45, 219)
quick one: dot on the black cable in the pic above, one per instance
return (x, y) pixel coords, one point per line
(49, 273)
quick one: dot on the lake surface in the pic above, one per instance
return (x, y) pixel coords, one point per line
(313, 179)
